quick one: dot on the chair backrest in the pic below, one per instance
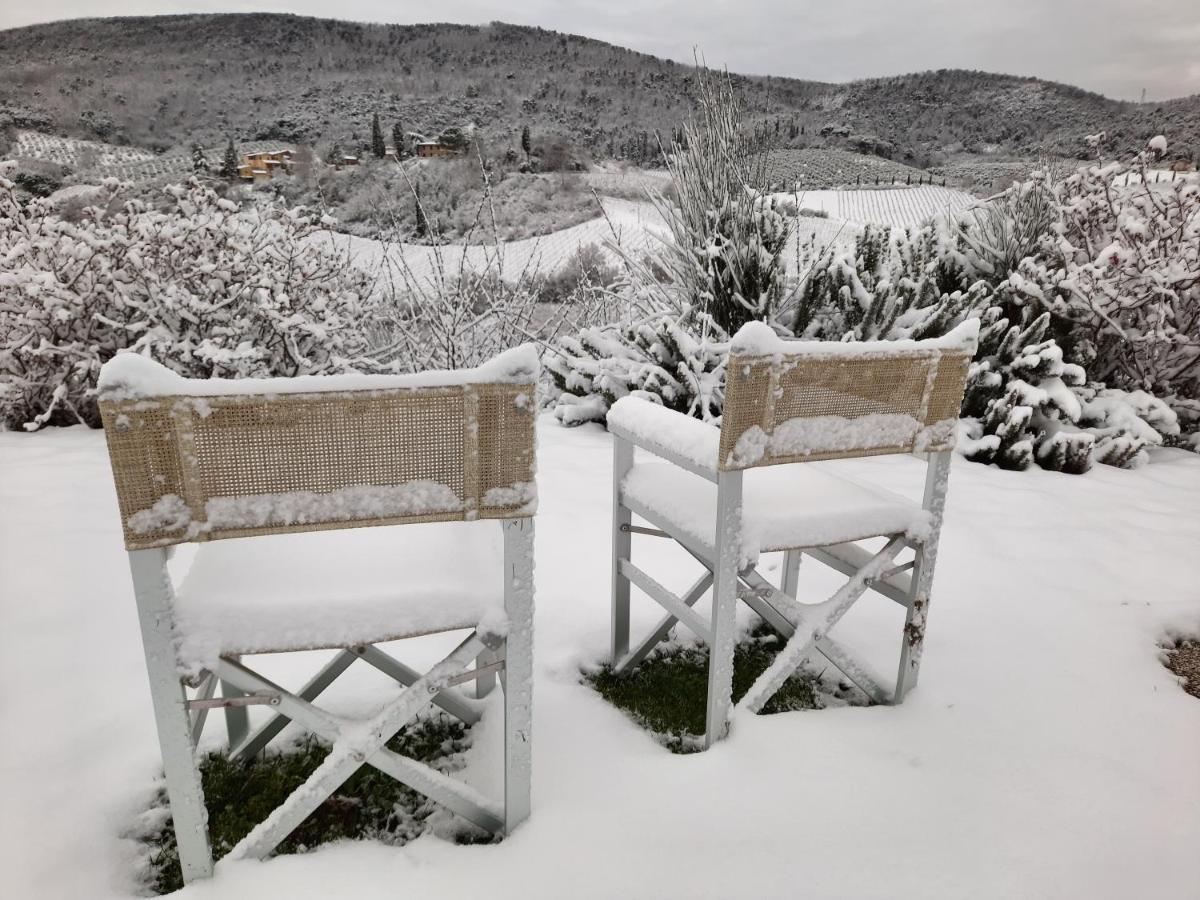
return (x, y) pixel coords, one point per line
(201, 460)
(797, 401)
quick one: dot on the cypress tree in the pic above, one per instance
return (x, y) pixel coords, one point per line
(422, 222)
(526, 142)
(377, 146)
(398, 140)
(229, 166)
(199, 163)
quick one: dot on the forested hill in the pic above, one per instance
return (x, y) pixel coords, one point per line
(164, 82)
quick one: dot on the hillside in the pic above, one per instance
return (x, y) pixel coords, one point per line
(162, 83)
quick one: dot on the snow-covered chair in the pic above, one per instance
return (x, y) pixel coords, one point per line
(274, 482)
(789, 402)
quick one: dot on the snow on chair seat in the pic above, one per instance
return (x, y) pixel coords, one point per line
(277, 484)
(337, 589)
(782, 507)
(756, 484)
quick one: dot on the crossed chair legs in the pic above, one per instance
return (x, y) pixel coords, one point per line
(804, 626)
(180, 719)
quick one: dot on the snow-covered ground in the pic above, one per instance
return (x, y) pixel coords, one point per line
(1046, 754)
(637, 226)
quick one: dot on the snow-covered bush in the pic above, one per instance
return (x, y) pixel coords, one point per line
(658, 359)
(1122, 266)
(204, 287)
(1019, 404)
(889, 284)
(723, 263)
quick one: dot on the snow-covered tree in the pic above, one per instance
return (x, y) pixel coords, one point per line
(229, 164)
(378, 148)
(1122, 266)
(199, 162)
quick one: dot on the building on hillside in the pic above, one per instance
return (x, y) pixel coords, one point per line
(1182, 165)
(434, 148)
(263, 165)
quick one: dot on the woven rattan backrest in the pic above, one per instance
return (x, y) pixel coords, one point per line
(784, 409)
(205, 468)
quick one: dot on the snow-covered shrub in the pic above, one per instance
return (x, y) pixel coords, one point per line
(889, 284)
(1122, 265)
(658, 359)
(723, 262)
(1020, 404)
(204, 287)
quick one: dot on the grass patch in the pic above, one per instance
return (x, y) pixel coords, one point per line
(668, 692)
(370, 805)
(1184, 660)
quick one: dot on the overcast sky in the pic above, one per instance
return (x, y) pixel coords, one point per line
(1116, 47)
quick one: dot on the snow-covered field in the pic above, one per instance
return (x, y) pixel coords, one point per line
(638, 227)
(1046, 754)
(74, 151)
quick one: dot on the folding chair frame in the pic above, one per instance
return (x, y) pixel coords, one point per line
(805, 627)
(180, 720)
(195, 449)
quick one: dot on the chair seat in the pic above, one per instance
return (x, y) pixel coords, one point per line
(338, 588)
(783, 507)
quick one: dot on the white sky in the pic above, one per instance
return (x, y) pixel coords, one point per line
(1116, 47)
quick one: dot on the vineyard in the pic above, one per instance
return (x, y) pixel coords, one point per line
(813, 168)
(75, 153)
(99, 160)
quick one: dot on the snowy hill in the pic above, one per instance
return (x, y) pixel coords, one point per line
(166, 82)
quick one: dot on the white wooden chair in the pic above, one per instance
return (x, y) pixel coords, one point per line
(789, 402)
(265, 477)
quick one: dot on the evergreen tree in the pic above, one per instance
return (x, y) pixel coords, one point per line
(377, 146)
(398, 141)
(199, 163)
(229, 166)
(422, 222)
(526, 142)
(335, 155)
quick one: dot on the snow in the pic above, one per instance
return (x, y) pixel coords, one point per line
(759, 339)
(335, 588)
(824, 434)
(1046, 753)
(360, 501)
(799, 505)
(648, 423)
(131, 376)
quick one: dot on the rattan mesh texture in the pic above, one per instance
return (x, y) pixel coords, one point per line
(767, 391)
(470, 438)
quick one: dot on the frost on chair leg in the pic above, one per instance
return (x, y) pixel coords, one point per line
(724, 603)
(913, 643)
(518, 670)
(152, 589)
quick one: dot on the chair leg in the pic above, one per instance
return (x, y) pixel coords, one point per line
(237, 718)
(791, 572)
(518, 670)
(152, 589)
(724, 605)
(622, 547)
(486, 682)
(937, 474)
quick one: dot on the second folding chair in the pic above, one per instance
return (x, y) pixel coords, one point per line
(789, 405)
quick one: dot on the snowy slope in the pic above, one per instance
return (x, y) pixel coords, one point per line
(1046, 754)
